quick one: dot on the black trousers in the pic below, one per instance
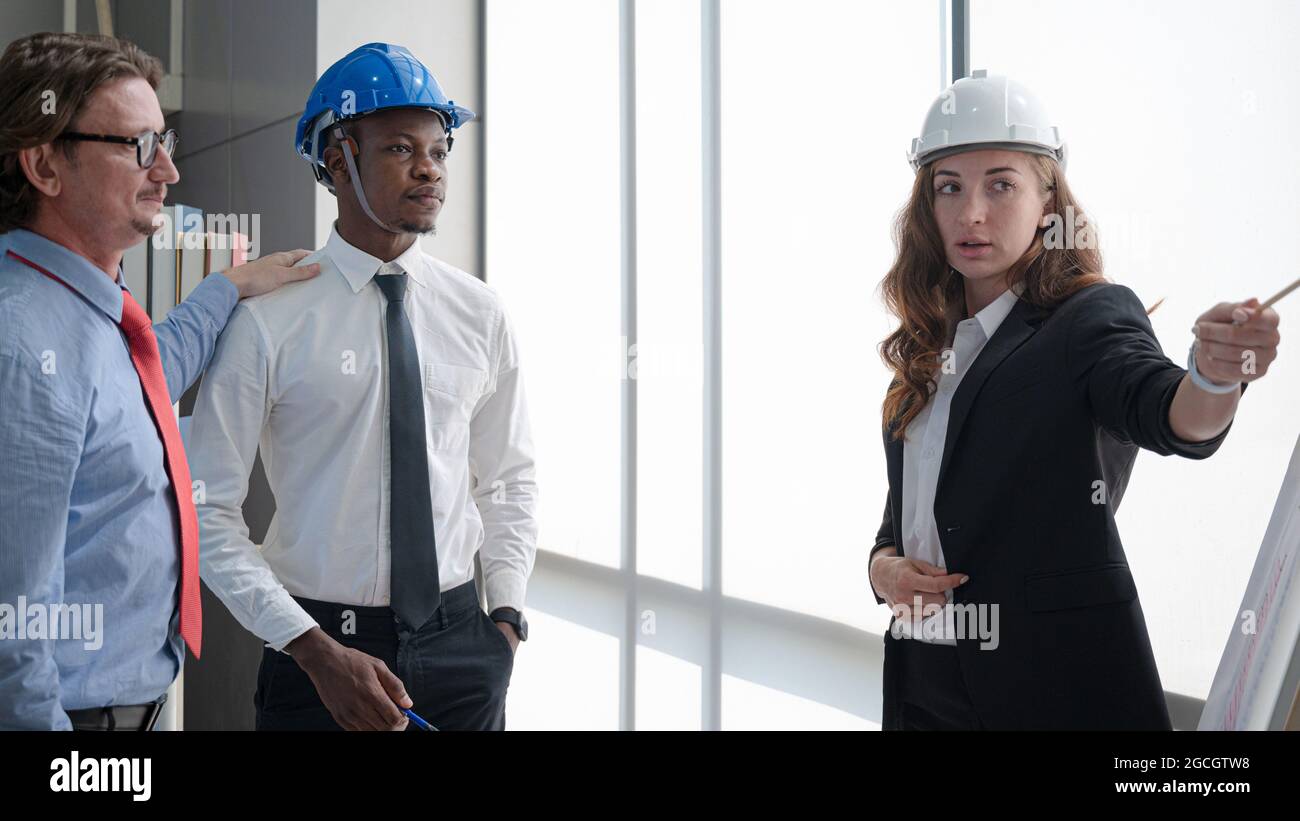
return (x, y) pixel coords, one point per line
(923, 688)
(456, 667)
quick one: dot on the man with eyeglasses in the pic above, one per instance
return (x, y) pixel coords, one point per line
(99, 579)
(146, 144)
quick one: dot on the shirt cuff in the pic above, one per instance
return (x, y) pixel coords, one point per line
(283, 622)
(505, 589)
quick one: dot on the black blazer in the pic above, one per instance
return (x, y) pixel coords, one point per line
(1055, 401)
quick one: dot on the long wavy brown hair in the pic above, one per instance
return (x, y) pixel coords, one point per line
(929, 298)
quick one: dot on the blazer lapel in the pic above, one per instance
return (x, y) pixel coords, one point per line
(1020, 324)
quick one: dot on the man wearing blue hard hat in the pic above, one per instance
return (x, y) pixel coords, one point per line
(388, 405)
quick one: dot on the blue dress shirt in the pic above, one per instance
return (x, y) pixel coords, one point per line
(87, 515)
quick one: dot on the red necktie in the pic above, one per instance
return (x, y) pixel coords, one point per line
(148, 364)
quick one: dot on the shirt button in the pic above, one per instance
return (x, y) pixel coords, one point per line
(929, 453)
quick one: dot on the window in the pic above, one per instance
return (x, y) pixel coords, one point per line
(1179, 134)
(599, 163)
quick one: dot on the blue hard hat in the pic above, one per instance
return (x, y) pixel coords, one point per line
(371, 78)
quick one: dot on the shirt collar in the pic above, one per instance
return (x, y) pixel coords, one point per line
(992, 314)
(358, 267)
(74, 270)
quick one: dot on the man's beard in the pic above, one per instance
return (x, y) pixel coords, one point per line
(414, 228)
(154, 224)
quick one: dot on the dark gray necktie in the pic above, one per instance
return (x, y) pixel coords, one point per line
(414, 557)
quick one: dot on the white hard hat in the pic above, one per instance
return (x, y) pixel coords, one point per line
(982, 111)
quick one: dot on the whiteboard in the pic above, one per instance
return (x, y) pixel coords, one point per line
(1255, 687)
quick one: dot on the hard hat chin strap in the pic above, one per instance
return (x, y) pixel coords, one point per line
(349, 147)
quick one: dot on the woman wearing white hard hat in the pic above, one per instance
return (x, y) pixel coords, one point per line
(1024, 382)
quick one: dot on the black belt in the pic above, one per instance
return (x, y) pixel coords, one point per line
(138, 717)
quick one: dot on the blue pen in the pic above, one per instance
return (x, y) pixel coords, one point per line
(419, 722)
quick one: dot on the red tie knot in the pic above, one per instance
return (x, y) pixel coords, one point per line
(134, 318)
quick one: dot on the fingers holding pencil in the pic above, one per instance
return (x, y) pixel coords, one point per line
(1236, 341)
(1247, 310)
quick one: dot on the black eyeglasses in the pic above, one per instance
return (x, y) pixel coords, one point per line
(146, 144)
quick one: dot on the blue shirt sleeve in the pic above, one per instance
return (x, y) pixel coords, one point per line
(41, 439)
(188, 336)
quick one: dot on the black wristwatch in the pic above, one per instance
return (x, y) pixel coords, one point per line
(514, 618)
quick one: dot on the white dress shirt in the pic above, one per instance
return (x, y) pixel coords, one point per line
(302, 372)
(923, 448)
